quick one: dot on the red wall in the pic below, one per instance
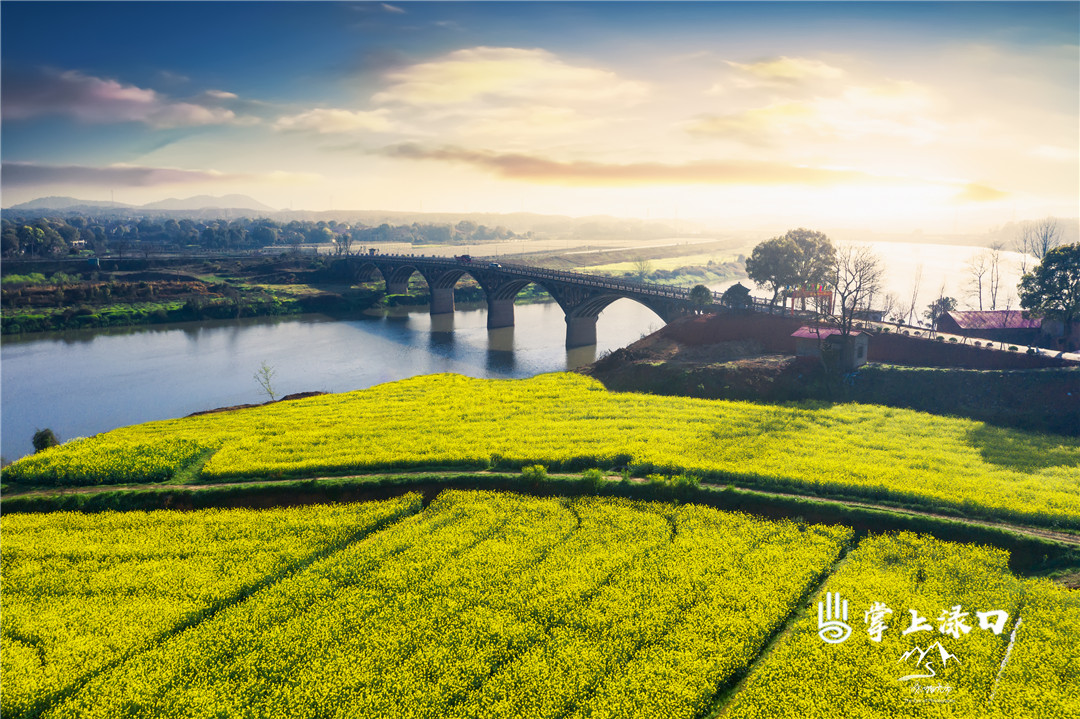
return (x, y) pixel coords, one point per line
(922, 352)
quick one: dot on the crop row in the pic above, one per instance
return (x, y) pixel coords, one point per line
(569, 421)
(491, 605)
(501, 605)
(80, 592)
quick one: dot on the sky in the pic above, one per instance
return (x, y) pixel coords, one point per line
(896, 116)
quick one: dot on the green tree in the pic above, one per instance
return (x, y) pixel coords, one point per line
(701, 297)
(796, 258)
(1052, 288)
(44, 438)
(937, 308)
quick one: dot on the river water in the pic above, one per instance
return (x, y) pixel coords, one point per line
(84, 382)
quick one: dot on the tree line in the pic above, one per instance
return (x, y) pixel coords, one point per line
(844, 284)
(52, 237)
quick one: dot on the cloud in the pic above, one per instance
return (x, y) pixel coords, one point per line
(889, 109)
(787, 70)
(973, 192)
(392, 8)
(580, 173)
(500, 74)
(328, 120)
(526, 122)
(26, 174)
(1055, 153)
(99, 100)
(758, 126)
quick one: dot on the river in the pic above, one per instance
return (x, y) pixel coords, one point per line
(88, 381)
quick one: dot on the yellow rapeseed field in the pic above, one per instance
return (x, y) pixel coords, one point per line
(82, 591)
(491, 605)
(570, 421)
(952, 658)
(497, 605)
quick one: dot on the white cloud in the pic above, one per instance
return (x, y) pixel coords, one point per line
(493, 74)
(1055, 153)
(899, 110)
(329, 120)
(784, 71)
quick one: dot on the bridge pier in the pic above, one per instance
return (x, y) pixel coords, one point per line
(442, 300)
(580, 331)
(397, 288)
(500, 313)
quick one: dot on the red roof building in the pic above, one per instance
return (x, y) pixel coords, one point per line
(851, 355)
(987, 320)
(998, 325)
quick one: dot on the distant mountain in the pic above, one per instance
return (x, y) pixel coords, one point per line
(202, 202)
(63, 203)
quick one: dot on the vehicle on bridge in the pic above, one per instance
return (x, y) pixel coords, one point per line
(463, 258)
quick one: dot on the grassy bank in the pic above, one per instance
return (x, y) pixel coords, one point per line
(1030, 552)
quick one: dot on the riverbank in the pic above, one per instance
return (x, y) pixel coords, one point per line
(1040, 400)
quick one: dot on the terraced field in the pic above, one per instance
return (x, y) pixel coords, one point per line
(502, 605)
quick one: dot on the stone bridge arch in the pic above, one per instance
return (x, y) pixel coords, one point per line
(581, 297)
(583, 308)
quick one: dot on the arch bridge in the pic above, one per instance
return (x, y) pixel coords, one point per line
(582, 296)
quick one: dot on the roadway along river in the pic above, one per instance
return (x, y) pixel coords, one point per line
(84, 382)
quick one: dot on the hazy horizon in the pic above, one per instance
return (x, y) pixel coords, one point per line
(896, 117)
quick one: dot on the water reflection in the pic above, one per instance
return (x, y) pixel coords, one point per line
(87, 381)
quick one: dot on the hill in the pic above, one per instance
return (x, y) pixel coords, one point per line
(571, 422)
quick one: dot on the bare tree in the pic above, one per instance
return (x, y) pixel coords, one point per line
(642, 268)
(265, 376)
(1036, 239)
(977, 266)
(902, 312)
(994, 279)
(856, 275)
(889, 305)
(914, 293)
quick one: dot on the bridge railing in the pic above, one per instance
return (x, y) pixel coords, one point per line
(591, 280)
(582, 278)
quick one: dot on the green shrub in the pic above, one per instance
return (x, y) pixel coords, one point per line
(592, 479)
(534, 472)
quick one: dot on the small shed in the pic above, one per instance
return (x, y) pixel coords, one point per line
(810, 341)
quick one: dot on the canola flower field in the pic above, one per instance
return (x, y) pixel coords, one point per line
(81, 592)
(572, 422)
(491, 604)
(969, 669)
